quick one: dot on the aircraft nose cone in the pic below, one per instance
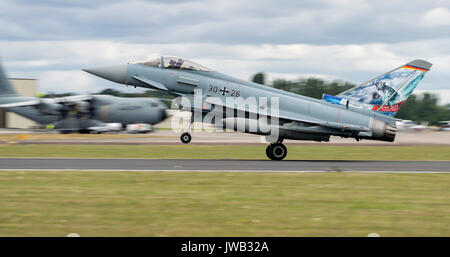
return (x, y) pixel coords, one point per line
(114, 73)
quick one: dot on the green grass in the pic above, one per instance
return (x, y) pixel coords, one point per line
(50, 203)
(295, 152)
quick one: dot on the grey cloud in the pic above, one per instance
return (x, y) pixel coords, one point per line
(66, 3)
(184, 27)
(234, 22)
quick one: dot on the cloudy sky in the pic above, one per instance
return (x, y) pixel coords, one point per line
(352, 40)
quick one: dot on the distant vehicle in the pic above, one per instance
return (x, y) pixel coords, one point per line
(445, 125)
(81, 113)
(139, 128)
(411, 126)
(106, 127)
(363, 112)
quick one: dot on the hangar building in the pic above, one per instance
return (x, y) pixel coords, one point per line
(25, 87)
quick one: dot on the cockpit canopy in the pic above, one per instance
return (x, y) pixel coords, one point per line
(170, 62)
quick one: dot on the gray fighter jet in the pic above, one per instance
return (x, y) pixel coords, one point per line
(79, 113)
(363, 112)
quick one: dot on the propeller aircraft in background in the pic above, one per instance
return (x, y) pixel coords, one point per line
(81, 113)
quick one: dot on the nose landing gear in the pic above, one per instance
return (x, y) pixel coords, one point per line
(185, 138)
(276, 151)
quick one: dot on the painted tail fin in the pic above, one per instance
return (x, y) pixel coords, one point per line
(386, 93)
(6, 88)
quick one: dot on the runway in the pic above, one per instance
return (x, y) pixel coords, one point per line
(222, 165)
(168, 137)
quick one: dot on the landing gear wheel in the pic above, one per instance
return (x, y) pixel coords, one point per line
(269, 151)
(276, 151)
(186, 138)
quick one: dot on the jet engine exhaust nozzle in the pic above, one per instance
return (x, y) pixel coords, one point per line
(383, 131)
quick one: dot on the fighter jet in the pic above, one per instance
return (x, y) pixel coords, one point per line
(363, 112)
(80, 113)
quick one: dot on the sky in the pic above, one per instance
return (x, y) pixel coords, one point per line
(349, 40)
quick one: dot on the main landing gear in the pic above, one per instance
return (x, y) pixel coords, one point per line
(276, 151)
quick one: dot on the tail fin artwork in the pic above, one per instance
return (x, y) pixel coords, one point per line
(6, 88)
(386, 93)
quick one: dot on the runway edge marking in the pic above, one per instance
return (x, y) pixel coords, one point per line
(242, 171)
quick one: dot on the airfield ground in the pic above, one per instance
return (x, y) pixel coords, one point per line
(104, 203)
(168, 137)
(43, 203)
(254, 152)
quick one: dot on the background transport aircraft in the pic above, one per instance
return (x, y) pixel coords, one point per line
(81, 113)
(363, 112)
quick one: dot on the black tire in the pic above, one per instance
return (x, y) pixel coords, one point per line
(269, 151)
(85, 131)
(186, 138)
(276, 152)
